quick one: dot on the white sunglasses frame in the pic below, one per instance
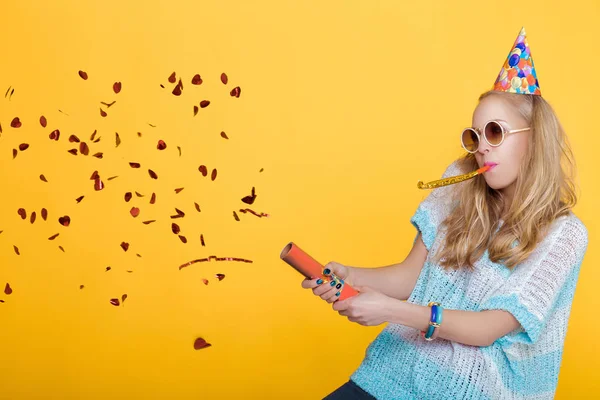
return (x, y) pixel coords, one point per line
(479, 135)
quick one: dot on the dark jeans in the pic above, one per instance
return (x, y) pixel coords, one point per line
(349, 391)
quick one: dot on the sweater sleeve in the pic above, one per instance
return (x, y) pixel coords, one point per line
(545, 281)
(435, 207)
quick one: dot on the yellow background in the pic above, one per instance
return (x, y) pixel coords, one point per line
(345, 104)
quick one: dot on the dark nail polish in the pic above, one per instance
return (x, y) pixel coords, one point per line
(338, 294)
(326, 271)
(339, 285)
(332, 283)
(319, 281)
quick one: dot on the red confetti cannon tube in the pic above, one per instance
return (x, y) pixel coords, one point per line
(311, 268)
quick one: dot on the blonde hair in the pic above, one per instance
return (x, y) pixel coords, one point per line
(545, 190)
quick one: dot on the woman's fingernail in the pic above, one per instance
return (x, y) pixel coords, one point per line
(332, 283)
(338, 294)
(326, 271)
(339, 285)
(319, 281)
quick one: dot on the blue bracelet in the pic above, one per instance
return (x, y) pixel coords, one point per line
(435, 320)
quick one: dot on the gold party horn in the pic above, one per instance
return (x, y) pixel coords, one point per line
(452, 180)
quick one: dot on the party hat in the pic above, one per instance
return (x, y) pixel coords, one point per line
(518, 72)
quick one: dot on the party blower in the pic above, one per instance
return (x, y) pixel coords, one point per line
(311, 268)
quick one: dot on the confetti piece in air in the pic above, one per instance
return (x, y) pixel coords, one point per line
(178, 190)
(117, 87)
(196, 80)
(83, 75)
(187, 264)
(43, 178)
(202, 240)
(152, 174)
(15, 151)
(180, 214)
(183, 238)
(60, 247)
(128, 196)
(107, 269)
(204, 103)
(213, 175)
(235, 92)
(138, 194)
(114, 302)
(61, 111)
(43, 121)
(200, 343)
(177, 90)
(32, 219)
(153, 198)
(197, 207)
(16, 249)
(98, 184)
(7, 289)
(125, 246)
(250, 199)
(224, 78)
(79, 199)
(205, 281)
(55, 134)
(236, 216)
(148, 222)
(161, 145)
(220, 277)
(123, 298)
(16, 123)
(23, 146)
(179, 148)
(108, 104)
(134, 165)
(134, 212)
(84, 149)
(99, 155)
(175, 228)
(22, 213)
(73, 151)
(103, 113)
(195, 110)
(81, 286)
(53, 236)
(154, 126)
(7, 90)
(203, 170)
(117, 139)
(224, 135)
(44, 214)
(173, 78)
(64, 221)
(74, 138)
(246, 210)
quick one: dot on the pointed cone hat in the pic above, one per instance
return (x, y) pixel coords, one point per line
(518, 73)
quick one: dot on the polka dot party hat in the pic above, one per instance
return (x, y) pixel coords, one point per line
(518, 72)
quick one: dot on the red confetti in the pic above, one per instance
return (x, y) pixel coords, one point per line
(134, 212)
(152, 174)
(224, 78)
(83, 75)
(183, 238)
(74, 138)
(200, 343)
(15, 152)
(84, 149)
(215, 258)
(179, 212)
(43, 121)
(220, 277)
(224, 135)
(202, 240)
(175, 228)
(195, 110)
(64, 221)
(94, 175)
(172, 78)
(43, 178)
(245, 210)
(55, 134)
(16, 250)
(107, 269)
(213, 175)
(153, 198)
(177, 90)
(236, 216)
(7, 289)
(73, 151)
(261, 170)
(117, 139)
(205, 281)
(235, 92)
(99, 155)
(179, 148)
(148, 222)
(114, 302)
(23, 146)
(79, 199)
(197, 80)
(134, 165)
(44, 214)
(60, 247)
(128, 196)
(81, 286)
(108, 104)
(178, 190)
(204, 103)
(139, 255)
(125, 246)
(32, 219)
(103, 113)
(15, 123)
(53, 236)
(98, 184)
(123, 298)
(250, 199)
(117, 87)
(22, 213)
(161, 145)
(203, 170)
(197, 207)
(138, 194)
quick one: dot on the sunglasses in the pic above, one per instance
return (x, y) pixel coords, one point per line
(493, 133)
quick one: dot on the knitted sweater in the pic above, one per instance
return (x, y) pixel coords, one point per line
(524, 364)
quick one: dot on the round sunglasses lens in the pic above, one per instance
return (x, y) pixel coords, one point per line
(494, 133)
(470, 140)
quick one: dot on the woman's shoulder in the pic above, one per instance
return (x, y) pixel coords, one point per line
(568, 228)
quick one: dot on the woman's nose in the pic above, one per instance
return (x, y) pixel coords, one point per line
(484, 146)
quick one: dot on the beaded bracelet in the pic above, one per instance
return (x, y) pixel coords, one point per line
(435, 321)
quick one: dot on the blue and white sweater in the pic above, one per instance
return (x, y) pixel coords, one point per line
(524, 364)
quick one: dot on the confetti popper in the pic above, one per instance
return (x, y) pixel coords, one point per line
(311, 269)
(452, 179)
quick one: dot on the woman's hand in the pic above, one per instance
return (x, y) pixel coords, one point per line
(329, 289)
(368, 308)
